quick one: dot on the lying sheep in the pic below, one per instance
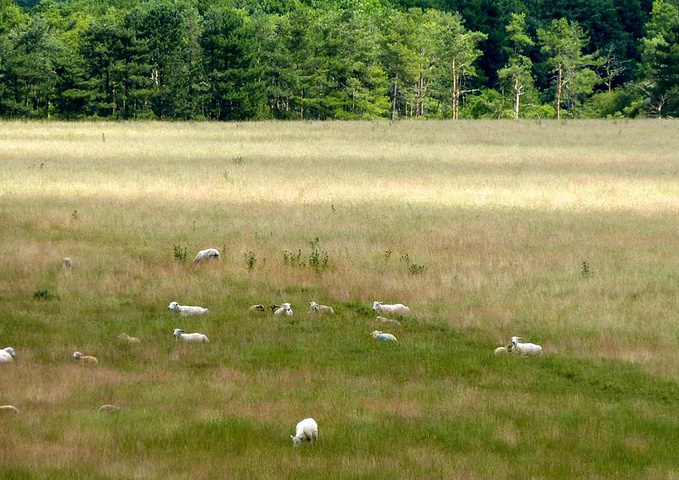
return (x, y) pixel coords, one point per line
(383, 337)
(185, 311)
(7, 355)
(66, 263)
(525, 349)
(126, 338)
(387, 321)
(284, 309)
(108, 409)
(8, 409)
(397, 309)
(502, 350)
(256, 308)
(307, 430)
(190, 337)
(316, 308)
(208, 254)
(85, 359)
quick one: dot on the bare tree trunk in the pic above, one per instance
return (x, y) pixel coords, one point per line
(456, 90)
(517, 97)
(393, 100)
(559, 92)
(301, 107)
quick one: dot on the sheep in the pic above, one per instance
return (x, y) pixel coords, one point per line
(7, 355)
(316, 308)
(190, 337)
(387, 321)
(85, 359)
(66, 263)
(108, 409)
(8, 409)
(284, 308)
(185, 311)
(208, 254)
(502, 350)
(306, 429)
(383, 337)
(274, 307)
(525, 349)
(126, 338)
(256, 308)
(397, 309)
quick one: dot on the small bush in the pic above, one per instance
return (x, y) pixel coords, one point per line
(180, 253)
(250, 260)
(416, 269)
(43, 294)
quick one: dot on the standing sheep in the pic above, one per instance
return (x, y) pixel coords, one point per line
(207, 254)
(306, 429)
(7, 355)
(316, 308)
(397, 309)
(190, 337)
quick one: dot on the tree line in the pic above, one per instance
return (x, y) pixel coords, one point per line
(338, 59)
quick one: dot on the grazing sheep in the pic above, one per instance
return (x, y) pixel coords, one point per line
(316, 308)
(525, 349)
(190, 337)
(257, 308)
(387, 321)
(185, 311)
(108, 409)
(85, 359)
(7, 355)
(307, 430)
(208, 254)
(284, 309)
(126, 338)
(66, 263)
(8, 409)
(383, 337)
(397, 309)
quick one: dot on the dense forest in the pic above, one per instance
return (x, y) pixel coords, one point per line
(338, 59)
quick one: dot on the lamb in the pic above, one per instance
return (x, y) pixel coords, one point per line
(7, 355)
(256, 308)
(185, 311)
(8, 409)
(66, 263)
(387, 321)
(190, 337)
(316, 308)
(502, 350)
(307, 430)
(85, 359)
(397, 309)
(208, 254)
(108, 409)
(284, 308)
(525, 349)
(126, 338)
(383, 337)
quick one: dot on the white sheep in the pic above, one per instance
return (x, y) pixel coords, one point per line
(185, 310)
(8, 409)
(307, 430)
(190, 337)
(66, 263)
(397, 309)
(316, 308)
(7, 355)
(284, 309)
(108, 409)
(256, 308)
(387, 321)
(501, 350)
(525, 349)
(383, 337)
(207, 254)
(126, 338)
(85, 359)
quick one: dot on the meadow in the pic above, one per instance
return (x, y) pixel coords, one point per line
(564, 233)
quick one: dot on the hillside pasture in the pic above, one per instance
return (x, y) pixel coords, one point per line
(564, 233)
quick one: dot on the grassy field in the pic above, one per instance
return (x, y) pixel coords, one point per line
(563, 233)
